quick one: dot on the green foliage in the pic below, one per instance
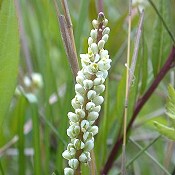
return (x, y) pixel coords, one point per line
(47, 135)
(161, 44)
(167, 131)
(9, 55)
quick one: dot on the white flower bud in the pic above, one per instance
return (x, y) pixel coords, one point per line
(79, 99)
(97, 57)
(90, 41)
(89, 145)
(94, 48)
(74, 103)
(99, 89)
(71, 149)
(84, 125)
(88, 84)
(93, 34)
(95, 24)
(105, 22)
(66, 154)
(78, 144)
(98, 81)
(79, 79)
(27, 81)
(104, 65)
(37, 80)
(97, 108)
(90, 106)
(76, 130)
(83, 158)
(72, 117)
(104, 54)
(105, 37)
(73, 163)
(92, 116)
(88, 136)
(101, 44)
(80, 113)
(79, 89)
(98, 100)
(93, 68)
(102, 74)
(91, 94)
(94, 130)
(68, 171)
(106, 31)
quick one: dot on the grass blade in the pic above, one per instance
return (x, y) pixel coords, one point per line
(9, 55)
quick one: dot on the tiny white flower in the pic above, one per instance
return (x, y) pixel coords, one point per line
(97, 108)
(68, 171)
(89, 145)
(98, 100)
(105, 37)
(84, 125)
(98, 81)
(73, 163)
(90, 41)
(102, 74)
(74, 104)
(95, 23)
(104, 54)
(79, 79)
(104, 65)
(80, 113)
(88, 136)
(106, 31)
(93, 34)
(71, 149)
(90, 106)
(101, 44)
(83, 158)
(79, 89)
(88, 84)
(92, 116)
(94, 48)
(93, 68)
(99, 89)
(72, 117)
(94, 130)
(91, 94)
(105, 22)
(66, 154)
(97, 57)
(78, 144)
(79, 99)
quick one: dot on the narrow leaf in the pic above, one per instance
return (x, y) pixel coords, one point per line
(9, 55)
(165, 130)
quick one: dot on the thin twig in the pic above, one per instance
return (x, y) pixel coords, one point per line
(123, 168)
(139, 105)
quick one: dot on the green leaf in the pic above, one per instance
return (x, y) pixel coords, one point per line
(171, 103)
(165, 130)
(9, 55)
(161, 40)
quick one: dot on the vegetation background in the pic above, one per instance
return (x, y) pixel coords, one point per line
(30, 42)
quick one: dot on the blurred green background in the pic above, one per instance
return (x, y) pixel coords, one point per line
(41, 101)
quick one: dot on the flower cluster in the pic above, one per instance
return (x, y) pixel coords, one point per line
(87, 102)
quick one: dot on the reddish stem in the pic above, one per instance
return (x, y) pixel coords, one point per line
(139, 104)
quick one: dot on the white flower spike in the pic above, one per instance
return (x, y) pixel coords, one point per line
(87, 101)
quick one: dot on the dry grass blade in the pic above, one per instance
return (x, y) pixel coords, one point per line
(67, 36)
(136, 48)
